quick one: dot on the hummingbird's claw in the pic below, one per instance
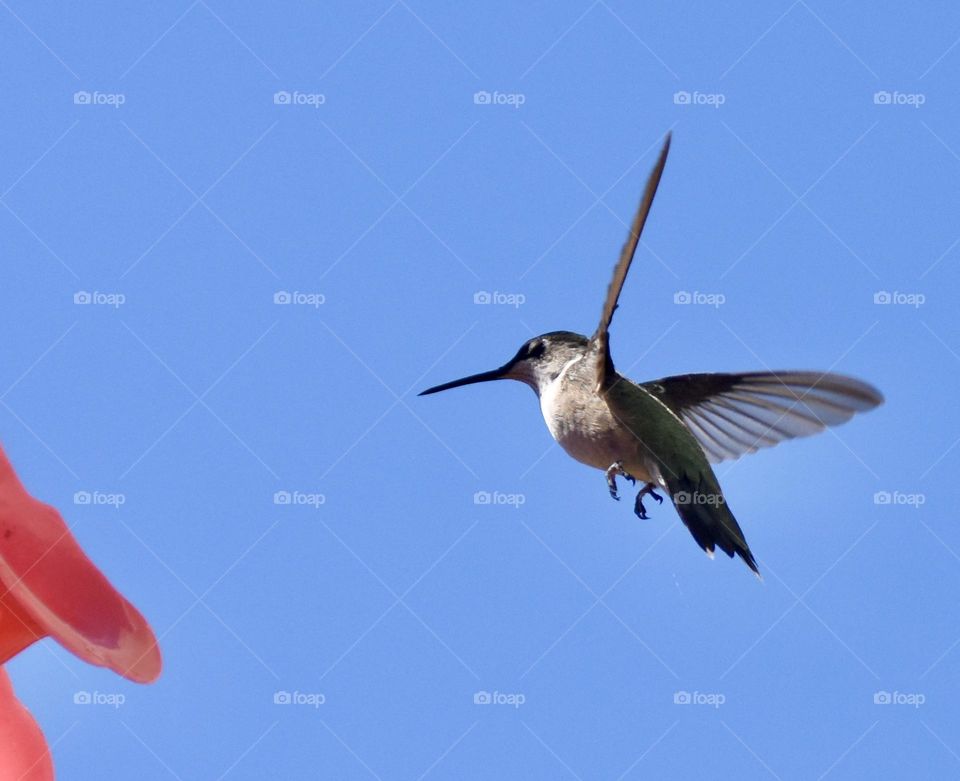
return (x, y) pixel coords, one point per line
(612, 482)
(616, 468)
(638, 507)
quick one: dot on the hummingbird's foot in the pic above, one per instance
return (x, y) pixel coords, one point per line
(638, 507)
(616, 468)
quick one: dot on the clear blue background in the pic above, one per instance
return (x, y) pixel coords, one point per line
(397, 199)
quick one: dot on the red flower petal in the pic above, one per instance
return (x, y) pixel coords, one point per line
(48, 586)
(24, 755)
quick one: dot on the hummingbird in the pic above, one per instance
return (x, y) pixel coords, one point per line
(665, 434)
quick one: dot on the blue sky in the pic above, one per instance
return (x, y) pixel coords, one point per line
(180, 166)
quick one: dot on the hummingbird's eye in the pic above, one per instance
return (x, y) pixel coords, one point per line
(536, 349)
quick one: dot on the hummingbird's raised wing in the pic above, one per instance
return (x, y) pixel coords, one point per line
(605, 371)
(734, 414)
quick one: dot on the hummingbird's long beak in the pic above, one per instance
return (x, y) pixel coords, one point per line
(497, 374)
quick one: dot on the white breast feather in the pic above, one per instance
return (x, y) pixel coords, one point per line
(593, 438)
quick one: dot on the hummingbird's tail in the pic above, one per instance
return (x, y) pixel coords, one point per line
(704, 511)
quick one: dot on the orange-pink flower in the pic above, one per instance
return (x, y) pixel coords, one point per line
(49, 588)
(23, 751)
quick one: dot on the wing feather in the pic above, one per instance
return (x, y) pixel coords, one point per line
(604, 367)
(734, 414)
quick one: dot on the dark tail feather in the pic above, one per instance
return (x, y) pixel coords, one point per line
(703, 510)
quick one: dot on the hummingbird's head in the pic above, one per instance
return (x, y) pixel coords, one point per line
(537, 363)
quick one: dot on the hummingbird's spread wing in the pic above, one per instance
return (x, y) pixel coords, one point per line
(605, 372)
(734, 414)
